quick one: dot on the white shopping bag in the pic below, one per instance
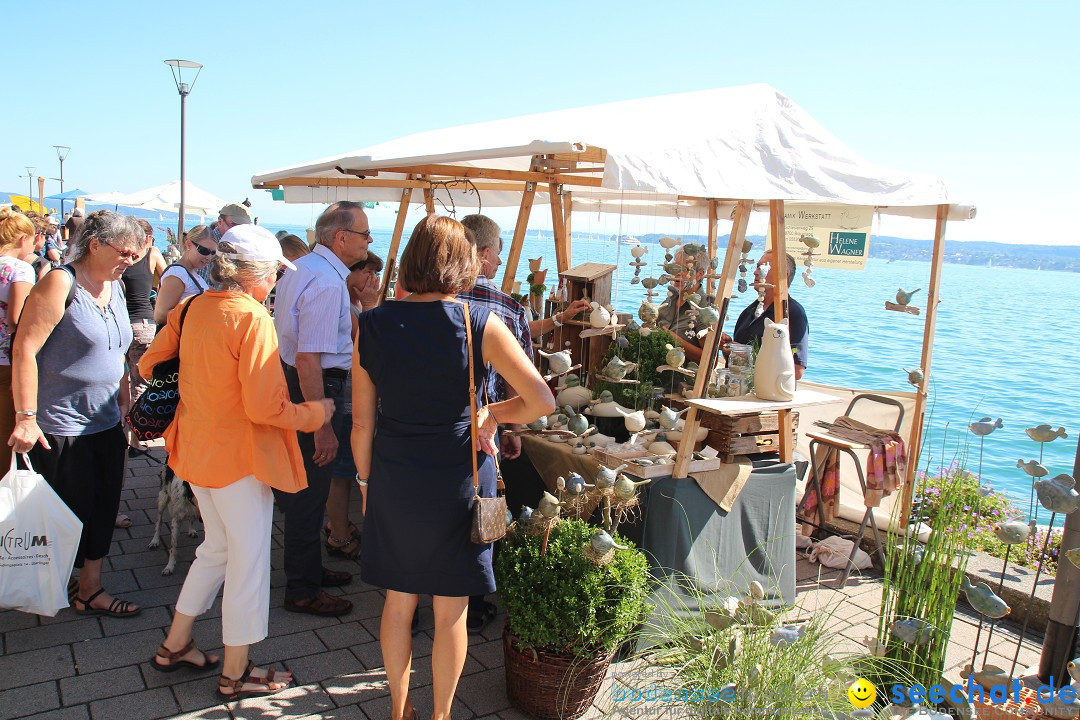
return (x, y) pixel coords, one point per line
(834, 551)
(38, 538)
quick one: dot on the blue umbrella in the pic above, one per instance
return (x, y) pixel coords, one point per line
(69, 195)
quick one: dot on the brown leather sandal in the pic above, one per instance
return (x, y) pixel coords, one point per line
(233, 688)
(176, 662)
(346, 547)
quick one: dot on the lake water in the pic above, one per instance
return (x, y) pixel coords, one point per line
(998, 351)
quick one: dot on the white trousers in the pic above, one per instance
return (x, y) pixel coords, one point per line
(237, 520)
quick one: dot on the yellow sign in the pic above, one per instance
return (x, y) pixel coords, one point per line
(842, 233)
(862, 693)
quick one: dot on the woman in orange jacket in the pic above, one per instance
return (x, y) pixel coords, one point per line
(233, 439)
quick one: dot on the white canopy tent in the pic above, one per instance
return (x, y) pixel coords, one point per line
(165, 197)
(730, 151)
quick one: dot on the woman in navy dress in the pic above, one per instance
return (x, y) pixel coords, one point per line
(411, 364)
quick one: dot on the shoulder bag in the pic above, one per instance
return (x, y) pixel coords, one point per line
(489, 514)
(156, 407)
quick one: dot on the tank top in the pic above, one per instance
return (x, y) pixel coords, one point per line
(81, 365)
(138, 281)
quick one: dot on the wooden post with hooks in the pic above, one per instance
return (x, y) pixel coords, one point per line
(568, 209)
(429, 200)
(399, 225)
(712, 348)
(780, 310)
(558, 227)
(520, 227)
(932, 300)
(713, 204)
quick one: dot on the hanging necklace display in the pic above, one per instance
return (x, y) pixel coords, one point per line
(811, 243)
(744, 261)
(637, 251)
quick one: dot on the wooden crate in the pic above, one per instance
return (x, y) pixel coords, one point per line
(734, 435)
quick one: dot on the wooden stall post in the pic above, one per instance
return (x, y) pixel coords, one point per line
(932, 300)
(429, 200)
(558, 226)
(568, 210)
(390, 261)
(780, 310)
(520, 227)
(712, 345)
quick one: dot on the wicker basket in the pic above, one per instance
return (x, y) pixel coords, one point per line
(551, 686)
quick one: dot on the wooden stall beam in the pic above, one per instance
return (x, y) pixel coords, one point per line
(458, 171)
(568, 210)
(514, 256)
(399, 226)
(711, 351)
(380, 183)
(932, 300)
(558, 226)
(429, 199)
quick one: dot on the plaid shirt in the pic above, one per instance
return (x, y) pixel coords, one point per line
(485, 294)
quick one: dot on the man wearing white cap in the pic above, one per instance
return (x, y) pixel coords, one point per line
(314, 325)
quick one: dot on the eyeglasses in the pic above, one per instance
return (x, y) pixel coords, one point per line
(362, 233)
(205, 250)
(129, 255)
(281, 272)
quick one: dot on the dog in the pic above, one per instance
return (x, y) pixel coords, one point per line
(176, 497)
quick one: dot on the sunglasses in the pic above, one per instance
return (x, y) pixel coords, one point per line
(205, 250)
(130, 255)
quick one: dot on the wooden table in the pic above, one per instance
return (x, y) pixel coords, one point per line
(746, 406)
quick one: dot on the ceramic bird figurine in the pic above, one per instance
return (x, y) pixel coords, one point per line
(558, 362)
(875, 646)
(903, 297)
(914, 377)
(600, 317)
(674, 268)
(639, 250)
(635, 421)
(708, 315)
(509, 516)
(985, 426)
(810, 241)
(648, 312)
(575, 422)
(989, 676)
(1013, 532)
(912, 631)
(601, 543)
(667, 242)
(617, 369)
(1045, 434)
(786, 635)
(576, 485)
(1032, 468)
(625, 488)
(605, 397)
(539, 424)
(605, 476)
(1073, 556)
(1074, 669)
(669, 418)
(1056, 494)
(573, 394)
(549, 506)
(983, 599)
(525, 517)
(675, 356)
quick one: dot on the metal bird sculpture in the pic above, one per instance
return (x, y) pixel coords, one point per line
(1045, 433)
(985, 426)
(983, 599)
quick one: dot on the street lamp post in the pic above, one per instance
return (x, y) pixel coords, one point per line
(61, 153)
(184, 88)
(30, 178)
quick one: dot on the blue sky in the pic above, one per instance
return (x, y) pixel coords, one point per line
(982, 94)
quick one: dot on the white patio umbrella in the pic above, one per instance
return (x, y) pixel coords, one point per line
(165, 197)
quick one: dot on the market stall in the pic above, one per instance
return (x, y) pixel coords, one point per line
(723, 153)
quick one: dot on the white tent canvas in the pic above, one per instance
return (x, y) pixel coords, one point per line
(748, 142)
(165, 197)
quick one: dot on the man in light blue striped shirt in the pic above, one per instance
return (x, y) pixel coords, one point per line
(312, 316)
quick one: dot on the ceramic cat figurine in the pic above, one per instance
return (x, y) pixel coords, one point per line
(774, 372)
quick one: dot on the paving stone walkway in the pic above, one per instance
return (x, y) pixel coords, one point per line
(72, 668)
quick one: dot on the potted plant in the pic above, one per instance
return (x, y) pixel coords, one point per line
(569, 608)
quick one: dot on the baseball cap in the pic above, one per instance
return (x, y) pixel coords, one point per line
(254, 243)
(237, 212)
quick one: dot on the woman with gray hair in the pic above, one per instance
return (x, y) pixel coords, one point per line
(233, 440)
(75, 332)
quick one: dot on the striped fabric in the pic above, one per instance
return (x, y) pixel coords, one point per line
(485, 294)
(311, 310)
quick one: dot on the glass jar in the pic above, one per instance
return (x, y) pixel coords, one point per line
(740, 356)
(738, 382)
(656, 399)
(719, 386)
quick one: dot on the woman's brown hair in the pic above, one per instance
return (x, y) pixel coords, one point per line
(439, 258)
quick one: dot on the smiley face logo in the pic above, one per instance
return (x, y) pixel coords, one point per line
(862, 693)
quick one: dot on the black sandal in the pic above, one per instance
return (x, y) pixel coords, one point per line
(232, 688)
(353, 531)
(175, 661)
(117, 608)
(348, 547)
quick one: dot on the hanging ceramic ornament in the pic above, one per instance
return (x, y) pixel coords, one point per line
(761, 286)
(903, 302)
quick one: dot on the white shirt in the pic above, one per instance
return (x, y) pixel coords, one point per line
(193, 284)
(311, 310)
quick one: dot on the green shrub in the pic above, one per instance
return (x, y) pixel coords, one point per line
(649, 352)
(563, 602)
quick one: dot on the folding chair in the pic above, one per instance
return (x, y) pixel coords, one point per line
(818, 438)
